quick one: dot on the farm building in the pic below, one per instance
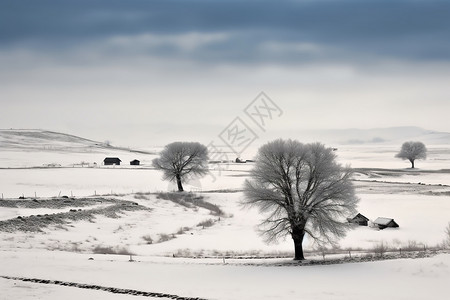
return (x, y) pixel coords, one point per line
(359, 219)
(135, 162)
(109, 161)
(383, 223)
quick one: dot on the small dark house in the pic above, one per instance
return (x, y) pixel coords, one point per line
(383, 223)
(109, 161)
(135, 162)
(359, 219)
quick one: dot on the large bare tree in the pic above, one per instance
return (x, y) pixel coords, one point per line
(412, 151)
(181, 159)
(302, 190)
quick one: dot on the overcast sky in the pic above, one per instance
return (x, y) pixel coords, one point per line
(150, 72)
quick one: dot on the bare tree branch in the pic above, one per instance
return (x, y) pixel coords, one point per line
(180, 159)
(303, 190)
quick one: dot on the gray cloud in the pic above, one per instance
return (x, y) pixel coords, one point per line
(174, 69)
(257, 31)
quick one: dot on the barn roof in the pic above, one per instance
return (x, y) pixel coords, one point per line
(383, 221)
(361, 216)
(112, 158)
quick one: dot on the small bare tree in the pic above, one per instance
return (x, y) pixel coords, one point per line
(181, 159)
(380, 249)
(412, 151)
(447, 236)
(303, 189)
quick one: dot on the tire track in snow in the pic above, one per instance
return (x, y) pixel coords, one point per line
(102, 288)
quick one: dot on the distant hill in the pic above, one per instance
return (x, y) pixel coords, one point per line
(391, 134)
(355, 136)
(43, 140)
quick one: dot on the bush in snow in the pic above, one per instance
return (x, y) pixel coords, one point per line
(447, 236)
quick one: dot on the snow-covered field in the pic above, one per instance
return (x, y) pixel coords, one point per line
(417, 199)
(396, 279)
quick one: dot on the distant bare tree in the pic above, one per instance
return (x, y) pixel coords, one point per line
(180, 159)
(303, 189)
(412, 151)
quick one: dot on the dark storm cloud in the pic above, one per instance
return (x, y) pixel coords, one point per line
(269, 31)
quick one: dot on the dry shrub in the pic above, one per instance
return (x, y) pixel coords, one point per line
(165, 237)
(191, 200)
(141, 196)
(412, 246)
(148, 239)
(447, 236)
(380, 249)
(182, 230)
(100, 249)
(206, 223)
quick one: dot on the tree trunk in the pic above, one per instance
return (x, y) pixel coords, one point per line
(412, 163)
(180, 186)
(297, 236)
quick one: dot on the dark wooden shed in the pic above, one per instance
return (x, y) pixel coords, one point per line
(359, 219)
(135, 162)
(109, 161)
(383, 223)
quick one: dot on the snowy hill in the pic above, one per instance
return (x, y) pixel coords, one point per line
(35, 139)
(37, 148)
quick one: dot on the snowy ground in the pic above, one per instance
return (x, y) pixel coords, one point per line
(396, 279)
(417, 199)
